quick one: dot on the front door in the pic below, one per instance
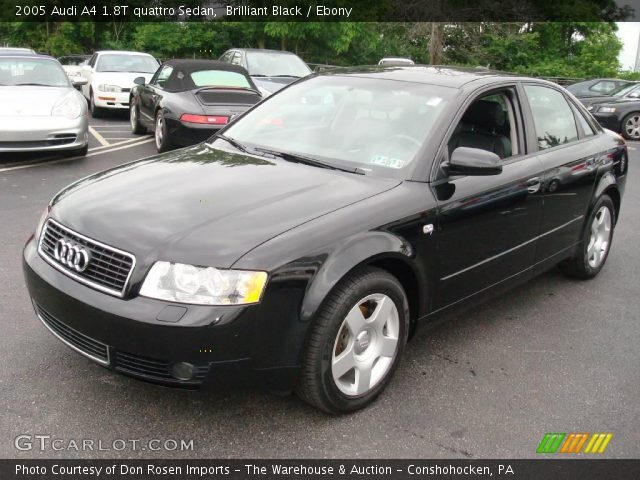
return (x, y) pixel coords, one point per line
(487, 225)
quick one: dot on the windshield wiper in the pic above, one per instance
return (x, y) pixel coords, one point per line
(33, 85)
(287, 76)
(294, 157)
(233, 142)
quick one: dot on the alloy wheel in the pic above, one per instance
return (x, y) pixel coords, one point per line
(632, 127)
(600, 238)
(366, 345)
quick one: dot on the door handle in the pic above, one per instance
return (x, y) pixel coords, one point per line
(533, 185)
(590, 163)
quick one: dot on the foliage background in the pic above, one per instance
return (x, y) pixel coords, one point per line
(568, 49)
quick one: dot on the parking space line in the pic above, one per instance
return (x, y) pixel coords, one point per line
(98, 137)
(90, 154)
(128, 140)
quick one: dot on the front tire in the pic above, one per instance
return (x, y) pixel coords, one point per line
(96, 112)
(596, 241)
(78, 152)
(163, 142)
(134, 118)
(356, 342)
(631, 126)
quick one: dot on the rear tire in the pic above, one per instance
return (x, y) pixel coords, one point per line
(596, 241)
(163, 142)
(134, 118)
(355, 343)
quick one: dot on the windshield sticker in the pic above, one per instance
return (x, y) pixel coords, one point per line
(384, 161)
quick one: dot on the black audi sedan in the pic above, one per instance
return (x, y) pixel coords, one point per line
(186, 101)
(303, 245)
(621, 115)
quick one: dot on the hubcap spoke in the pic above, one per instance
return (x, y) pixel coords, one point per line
(355, 320)
(382, 313)
(388, 346)
(344, 363)
(363, 379)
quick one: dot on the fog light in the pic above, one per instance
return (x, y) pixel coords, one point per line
(182, 371)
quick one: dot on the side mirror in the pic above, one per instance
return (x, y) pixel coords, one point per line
(139, 81)
(634, 95)
(79, 81)
(474, 161)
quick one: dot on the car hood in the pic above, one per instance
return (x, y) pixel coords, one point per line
(205, 206)
(273, 84)
(120, 79)
(29, 101)
(620, 101)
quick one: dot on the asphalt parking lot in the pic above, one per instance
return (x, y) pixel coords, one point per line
(554, 355)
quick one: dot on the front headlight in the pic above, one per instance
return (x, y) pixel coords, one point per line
(606, 109)
(109, 88)
(68, 106)
(177, 282)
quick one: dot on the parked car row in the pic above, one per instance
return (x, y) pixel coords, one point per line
(614, 103)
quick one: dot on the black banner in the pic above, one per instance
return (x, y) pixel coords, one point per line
(547, 469)
(317, 11)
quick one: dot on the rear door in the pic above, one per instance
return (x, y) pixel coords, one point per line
(569, 155)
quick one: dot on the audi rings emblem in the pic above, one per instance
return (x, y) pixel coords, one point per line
(72, 255)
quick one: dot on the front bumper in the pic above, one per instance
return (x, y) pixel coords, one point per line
(118, 100)
(225, 345)
(608, 120)
(43, 133)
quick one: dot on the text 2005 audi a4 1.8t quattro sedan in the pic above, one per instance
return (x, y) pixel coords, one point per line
(304, 243)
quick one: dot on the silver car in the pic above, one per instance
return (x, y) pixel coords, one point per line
(39, 107)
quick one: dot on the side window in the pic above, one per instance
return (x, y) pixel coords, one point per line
(92, 62)
(604, 87)
(587, 129)
(488, 124)
(552, 116)
(226, 57)
(237, 59)
(163, 76)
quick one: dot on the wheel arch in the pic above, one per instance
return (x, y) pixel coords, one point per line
(377, 249)
(608, 186)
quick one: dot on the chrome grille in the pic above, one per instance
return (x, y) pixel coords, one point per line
(78, 341)
(108, 270)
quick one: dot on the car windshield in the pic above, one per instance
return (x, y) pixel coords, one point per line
(16, 71)
(374, 126)
(272, 64)
(625, 90)
(113, 62)
(219, 78)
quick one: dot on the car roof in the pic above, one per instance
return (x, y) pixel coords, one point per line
(442, 75)
(265, 50)
(30, 56)
(123, 52)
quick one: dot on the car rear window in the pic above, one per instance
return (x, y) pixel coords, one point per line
(219, 78)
